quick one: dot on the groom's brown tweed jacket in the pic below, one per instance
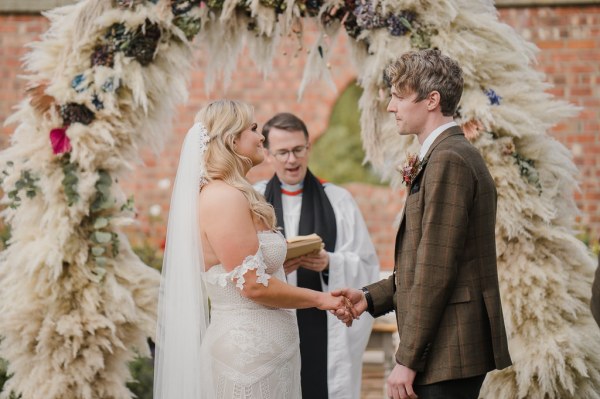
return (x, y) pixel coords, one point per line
(445, 283)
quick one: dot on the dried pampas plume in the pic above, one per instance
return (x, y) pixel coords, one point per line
(76, 304)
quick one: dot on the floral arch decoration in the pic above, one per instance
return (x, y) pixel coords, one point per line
(105, 79)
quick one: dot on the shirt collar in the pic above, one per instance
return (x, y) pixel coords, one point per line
(292, 189)
(432, 136)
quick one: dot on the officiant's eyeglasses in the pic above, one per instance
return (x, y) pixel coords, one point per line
(283, 155)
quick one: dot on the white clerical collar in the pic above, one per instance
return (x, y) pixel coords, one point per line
(292, 189)
(432, 136)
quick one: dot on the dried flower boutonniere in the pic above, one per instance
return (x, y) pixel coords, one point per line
(410, 170)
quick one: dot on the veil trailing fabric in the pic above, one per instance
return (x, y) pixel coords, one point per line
(179, 371)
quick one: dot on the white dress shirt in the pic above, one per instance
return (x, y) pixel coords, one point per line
(432, 136)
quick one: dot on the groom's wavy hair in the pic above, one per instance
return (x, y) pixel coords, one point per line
(425, 71)
(225, 120)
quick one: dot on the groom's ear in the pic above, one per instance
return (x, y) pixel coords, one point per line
(433, 100)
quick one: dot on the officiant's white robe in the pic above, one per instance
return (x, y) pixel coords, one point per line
(353, 264)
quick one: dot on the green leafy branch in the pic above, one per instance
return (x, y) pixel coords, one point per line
(528, 170)
(419, 37)
(70, 180)
(25, 183)
(104, 242)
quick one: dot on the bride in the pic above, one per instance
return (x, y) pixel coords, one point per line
(223, 247)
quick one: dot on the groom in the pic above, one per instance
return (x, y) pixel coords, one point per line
(444, 287)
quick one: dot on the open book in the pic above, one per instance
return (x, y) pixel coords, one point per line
(302, 245)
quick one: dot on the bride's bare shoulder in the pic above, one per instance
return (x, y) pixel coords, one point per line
(218, 195)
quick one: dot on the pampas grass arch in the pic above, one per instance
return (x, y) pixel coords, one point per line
(76, 303)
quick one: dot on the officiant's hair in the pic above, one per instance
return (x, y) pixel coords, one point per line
(425, 71)
(225, 120)
(284, 121)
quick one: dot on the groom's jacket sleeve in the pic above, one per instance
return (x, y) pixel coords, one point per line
(449, 185)
(382, 295)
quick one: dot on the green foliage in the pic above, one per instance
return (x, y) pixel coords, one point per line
(4, 236)
(592, 243)
(528, 170)
(105, 242)
(149, 254)
(338, 155)
(142, 371)
(190, 26)
(70, 180)
(4, 377)
(25, 183)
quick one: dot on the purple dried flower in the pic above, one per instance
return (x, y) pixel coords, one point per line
(103, 55)
(400, 24)
(367, 16)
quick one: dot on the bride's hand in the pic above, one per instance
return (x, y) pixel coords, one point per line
(330, 302)
(339, 306)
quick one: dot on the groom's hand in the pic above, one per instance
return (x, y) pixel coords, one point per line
(400, 383)
(357, 301)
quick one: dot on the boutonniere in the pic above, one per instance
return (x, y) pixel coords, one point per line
(412, 167)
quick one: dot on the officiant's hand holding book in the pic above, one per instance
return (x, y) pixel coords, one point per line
(303, 245)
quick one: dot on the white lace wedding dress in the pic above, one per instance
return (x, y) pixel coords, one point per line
(253, 349)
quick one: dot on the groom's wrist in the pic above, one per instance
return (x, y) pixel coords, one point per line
(368, 299)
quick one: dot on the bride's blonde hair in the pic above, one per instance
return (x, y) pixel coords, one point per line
(225, 121)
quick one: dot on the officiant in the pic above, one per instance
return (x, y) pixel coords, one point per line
(331, 354)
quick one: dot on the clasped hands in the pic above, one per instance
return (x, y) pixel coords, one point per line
(355, 305)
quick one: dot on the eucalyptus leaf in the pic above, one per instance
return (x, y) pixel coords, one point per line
(107, 203)
(98, 251)
(97, 204)
(104, 179)
(101, 237)
(72, 197)
(70, 179)
(115, 245)
(128, 206)
(406, 24)
(100, 223)
(100, 271)
(104, 190)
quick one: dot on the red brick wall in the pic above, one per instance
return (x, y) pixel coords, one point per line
(569, 42)
(568, 37)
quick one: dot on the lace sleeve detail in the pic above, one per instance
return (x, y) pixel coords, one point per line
(252, 262)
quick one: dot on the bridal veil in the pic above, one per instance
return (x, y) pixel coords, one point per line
(179, 371)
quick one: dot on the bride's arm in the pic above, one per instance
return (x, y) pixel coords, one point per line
(226, 222)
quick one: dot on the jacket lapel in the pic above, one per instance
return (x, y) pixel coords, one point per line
(453, 131)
